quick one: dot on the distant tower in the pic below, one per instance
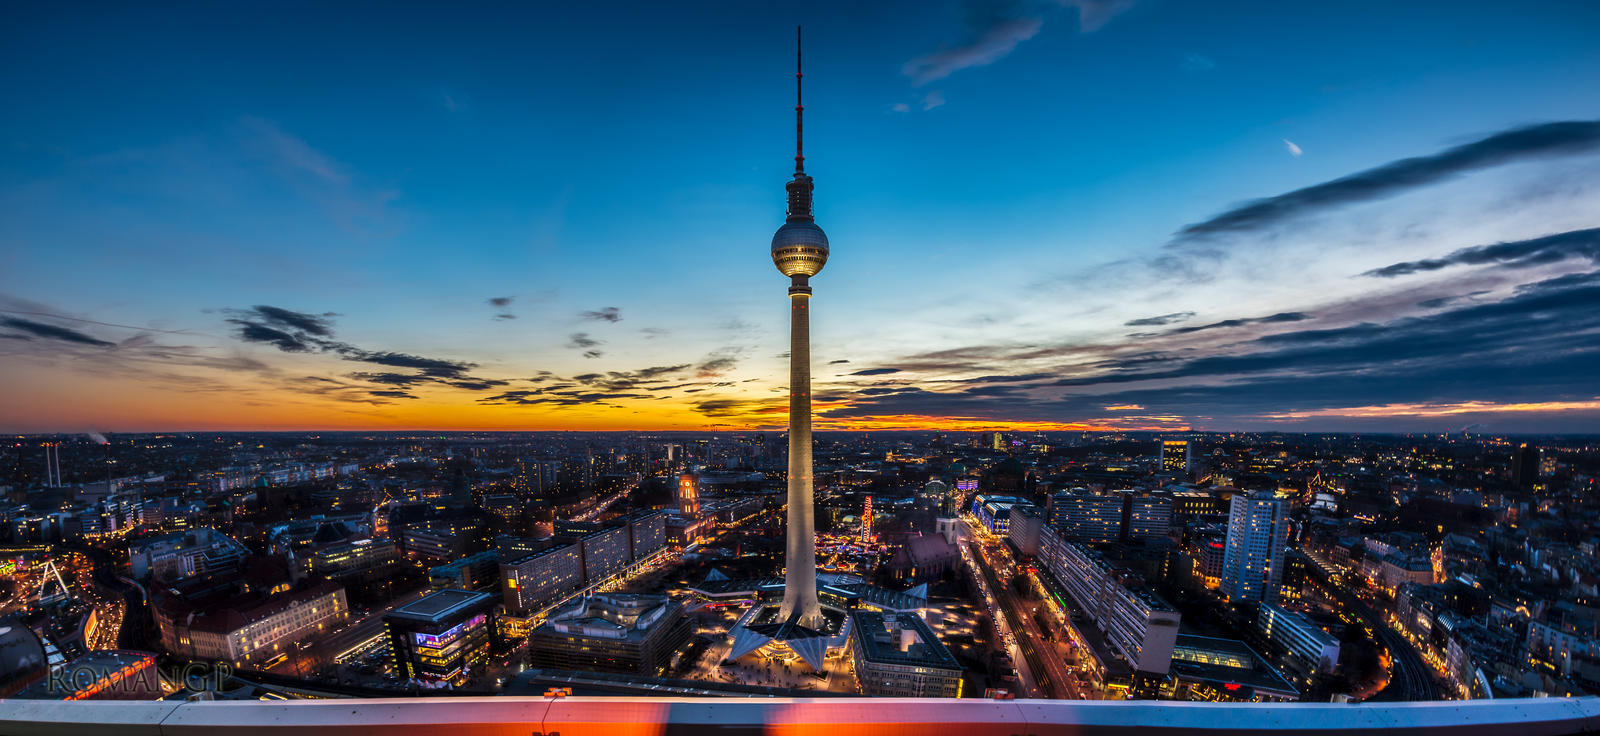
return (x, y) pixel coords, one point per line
(1525, 467)
(866, 520)
(1258, 533)
(799, 249)
(688, 496)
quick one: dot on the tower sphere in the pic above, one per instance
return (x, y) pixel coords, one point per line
(799, 248)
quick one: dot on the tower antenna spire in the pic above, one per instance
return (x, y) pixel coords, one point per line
(799, 109)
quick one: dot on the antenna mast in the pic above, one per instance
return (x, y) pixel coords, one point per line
(799, 109)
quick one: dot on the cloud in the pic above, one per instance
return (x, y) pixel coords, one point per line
(314, 324)
(900, 107)
(716, 364)
(605, 314)
(431, 367)
(991, 45)
(1095, 14)
(53, 332)
(581, 340)
(1548, 318)
(837, 362)
(1164, 319)
(502, 304)
(294, 152)
(1510, 146)
(876, 372)
(288, 330)
(1294, 150)
(932, 99)
(1270, 319)
(1515, 254)
(1197, 63)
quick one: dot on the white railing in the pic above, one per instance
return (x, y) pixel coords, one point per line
(580, 716)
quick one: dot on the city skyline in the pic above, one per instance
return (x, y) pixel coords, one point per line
(1065, 215)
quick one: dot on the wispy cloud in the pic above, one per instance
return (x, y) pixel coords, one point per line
(32, 329)
(991, 45)
(604, 314)
(1519, 144)
(1517, 254)
(1164, 319)
(1293, 148)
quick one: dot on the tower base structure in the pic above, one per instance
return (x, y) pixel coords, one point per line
(763, 629)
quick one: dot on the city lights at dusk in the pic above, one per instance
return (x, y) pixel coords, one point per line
(1130, 366)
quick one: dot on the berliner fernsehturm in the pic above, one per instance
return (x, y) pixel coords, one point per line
(799, 249)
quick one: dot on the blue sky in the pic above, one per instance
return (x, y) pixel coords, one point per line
(1006, 186)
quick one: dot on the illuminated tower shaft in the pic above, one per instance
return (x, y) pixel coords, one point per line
(799, 249)
(800, 582)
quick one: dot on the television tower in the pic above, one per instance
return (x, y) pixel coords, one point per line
(799, 249)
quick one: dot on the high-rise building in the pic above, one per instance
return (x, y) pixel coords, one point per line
(1258, 532)
(1525, 467)
(441, 635)
(799, 250)
(1176, 456)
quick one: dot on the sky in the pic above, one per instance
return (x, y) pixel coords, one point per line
(1051, 214)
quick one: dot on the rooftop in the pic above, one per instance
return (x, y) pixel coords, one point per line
(1226, 661)
(900, 639)
(439, 605)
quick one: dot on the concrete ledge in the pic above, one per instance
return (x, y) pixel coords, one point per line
(534, 716)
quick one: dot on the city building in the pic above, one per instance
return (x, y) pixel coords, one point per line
(1525, 467)
(615, 632)
(198, 551)
(473, 572)
(1308, 647)
(440, 636)
(994, 512)
(688, 496)
(1089, 517)
(250, 620)
(538, 579)
(897, 655)
(606, 552)
(1137, 624)
(1022, 530)
(1111, 517)
(1258, 533)
(924, 558)
(360, 558)
(1211, 669)
(1176, 456)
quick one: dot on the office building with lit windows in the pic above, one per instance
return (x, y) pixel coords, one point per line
(994, 512)
(537, 579)
(1258, 533)
(1137, 624)
(1177, 456)
(1310, 650)
(440, 636)
(897, 655)
(249, 625)
(618, 632)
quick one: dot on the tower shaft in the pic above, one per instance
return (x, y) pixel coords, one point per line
(800, 577)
